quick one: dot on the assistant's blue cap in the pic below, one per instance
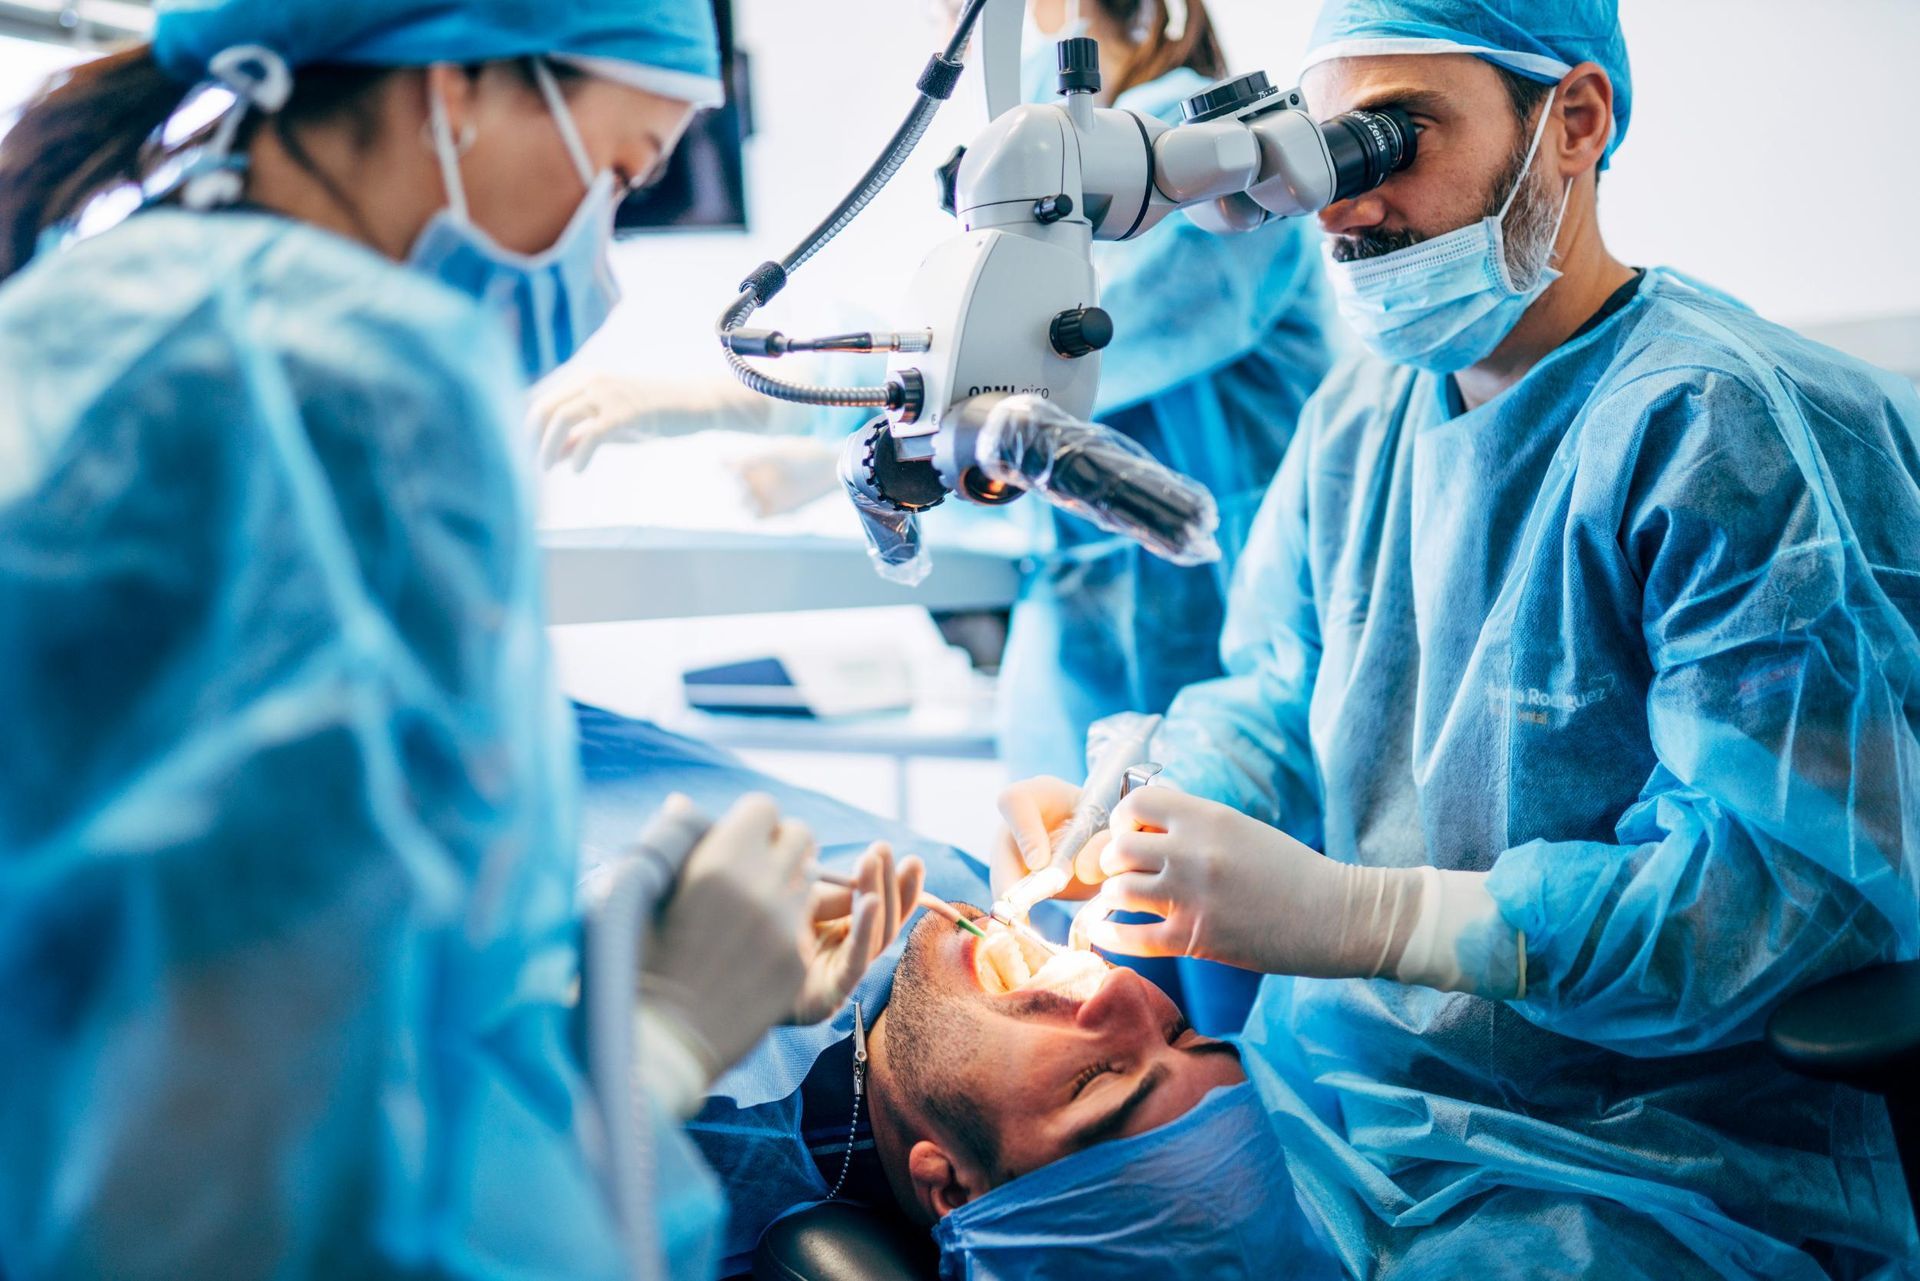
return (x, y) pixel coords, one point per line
(668, 47)
(1540, 39)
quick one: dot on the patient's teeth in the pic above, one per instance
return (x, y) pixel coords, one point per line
(1072, 974)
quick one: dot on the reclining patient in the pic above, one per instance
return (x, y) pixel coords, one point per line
(1042, 1119)
(1072, 1126)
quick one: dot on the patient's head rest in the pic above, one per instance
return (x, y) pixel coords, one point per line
(840, 1241)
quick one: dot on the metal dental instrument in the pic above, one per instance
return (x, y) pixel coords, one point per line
(1106, 784)
(932, 902)
(1027, 934)
(1138, 776)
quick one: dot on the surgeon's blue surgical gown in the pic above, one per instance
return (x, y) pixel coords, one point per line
(287, 928)
(1637, 637)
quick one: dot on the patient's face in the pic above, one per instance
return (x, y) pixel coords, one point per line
(1075, 1054)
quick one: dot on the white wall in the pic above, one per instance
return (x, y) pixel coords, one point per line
(1770, 153)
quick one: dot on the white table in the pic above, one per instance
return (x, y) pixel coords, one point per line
(621, 575)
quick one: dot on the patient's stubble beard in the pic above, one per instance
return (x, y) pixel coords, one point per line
(930, 1035)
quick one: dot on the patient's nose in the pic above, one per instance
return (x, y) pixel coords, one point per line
(1124, 1000)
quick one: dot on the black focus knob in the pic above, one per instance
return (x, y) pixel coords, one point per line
(1080, 331)
(948, 178)
(1079, 65)
(1051, 209)
(1229, 97)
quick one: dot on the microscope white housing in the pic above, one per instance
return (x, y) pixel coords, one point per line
(991, 386)
(1011, 304)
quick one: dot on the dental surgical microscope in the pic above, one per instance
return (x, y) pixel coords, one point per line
(992, 379)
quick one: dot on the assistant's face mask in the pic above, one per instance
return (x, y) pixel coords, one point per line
(1445, 303)
(1039, 64)
(553, 301)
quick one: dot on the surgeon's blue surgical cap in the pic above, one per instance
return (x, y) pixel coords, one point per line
(668, 47)
(1540, 39)
(1207, 1195)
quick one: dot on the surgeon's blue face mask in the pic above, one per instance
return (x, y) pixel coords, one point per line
(1039, 63)
(1448, 302)
(553, 301)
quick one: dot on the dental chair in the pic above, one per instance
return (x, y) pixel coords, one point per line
(840, 1241)
(1863, 1030)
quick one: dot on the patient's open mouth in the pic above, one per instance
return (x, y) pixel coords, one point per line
(1004, 962)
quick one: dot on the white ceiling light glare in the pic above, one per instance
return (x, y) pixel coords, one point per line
(86, 22)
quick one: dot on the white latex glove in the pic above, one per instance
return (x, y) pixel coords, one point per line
(1033, 811)
(847, 930)
(573, 417)
(723, 963)
(783, 475)
(1233, 889)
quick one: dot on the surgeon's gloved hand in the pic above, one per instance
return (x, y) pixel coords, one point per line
(574, 417)
(1033, 811)
(848, 929)
(723, 965)
(1230, 888)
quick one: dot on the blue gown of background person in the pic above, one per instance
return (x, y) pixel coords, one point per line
(1639, 638)
(287, 926)
(1212, 1193)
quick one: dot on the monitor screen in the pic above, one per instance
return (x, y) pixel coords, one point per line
(705, 185)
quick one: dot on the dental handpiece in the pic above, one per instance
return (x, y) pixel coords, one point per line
(1106, 784)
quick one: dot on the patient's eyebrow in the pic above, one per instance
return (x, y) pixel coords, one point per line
(1102, 1128)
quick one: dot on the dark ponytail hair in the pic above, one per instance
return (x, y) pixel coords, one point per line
(98, 126)
(1197, 49)
(88, 130)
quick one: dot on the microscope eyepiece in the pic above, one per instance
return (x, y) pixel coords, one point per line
(1367, 147)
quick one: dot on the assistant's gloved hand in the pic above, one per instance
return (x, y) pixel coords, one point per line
(1034, 810)
(847, 930)
(724, 965)
(1233, 889)
(574, 417)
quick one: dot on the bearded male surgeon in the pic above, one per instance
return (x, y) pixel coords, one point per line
(1572, 719)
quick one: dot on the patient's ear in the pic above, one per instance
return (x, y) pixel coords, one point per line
(941, 1184)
